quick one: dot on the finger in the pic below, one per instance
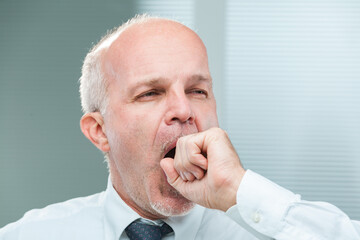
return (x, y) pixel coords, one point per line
(174, 178)
(195, 171)
(189, 157)
(198, 159)
(182, 175)
(186, 169)
(194, 147)
(167, 164)
(189, 176)
(188, 189)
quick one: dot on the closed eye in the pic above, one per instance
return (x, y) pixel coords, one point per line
(149, 94)
(146, 96)
(199, 92)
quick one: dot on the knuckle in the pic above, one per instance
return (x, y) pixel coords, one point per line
(220, 132)
(187, 165)
(188, 145)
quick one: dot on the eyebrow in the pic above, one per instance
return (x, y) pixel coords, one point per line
(153, 82)
(201, 78)
(146, 83)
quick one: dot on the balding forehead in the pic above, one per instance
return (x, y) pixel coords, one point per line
(158, 25)
(154, 28)
(145, 25)
(163, 33)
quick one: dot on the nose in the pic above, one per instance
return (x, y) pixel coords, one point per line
(179, 109)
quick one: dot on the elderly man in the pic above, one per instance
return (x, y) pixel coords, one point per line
(148, 104)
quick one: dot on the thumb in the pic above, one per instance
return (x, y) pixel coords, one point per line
(189, 190)
(167, 164)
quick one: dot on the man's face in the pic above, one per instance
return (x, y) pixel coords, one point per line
(159, 89)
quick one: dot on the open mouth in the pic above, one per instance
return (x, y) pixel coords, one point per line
(171, 153)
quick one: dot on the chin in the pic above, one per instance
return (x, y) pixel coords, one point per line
(172, 207)
(166, 202)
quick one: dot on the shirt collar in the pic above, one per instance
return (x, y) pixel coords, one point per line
(118, 215)
(186, 227)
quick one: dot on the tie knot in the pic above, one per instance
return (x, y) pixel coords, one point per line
(143, 231)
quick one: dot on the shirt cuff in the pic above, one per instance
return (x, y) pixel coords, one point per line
(263, 204)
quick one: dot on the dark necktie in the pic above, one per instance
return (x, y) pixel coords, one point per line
(143, 231)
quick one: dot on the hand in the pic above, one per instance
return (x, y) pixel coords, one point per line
(206, 169)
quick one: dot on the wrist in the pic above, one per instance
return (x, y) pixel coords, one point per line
(232, 190)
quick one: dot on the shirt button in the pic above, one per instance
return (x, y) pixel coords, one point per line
(256, 217)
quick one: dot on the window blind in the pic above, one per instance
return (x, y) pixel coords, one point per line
(182, 11)
(292, 94)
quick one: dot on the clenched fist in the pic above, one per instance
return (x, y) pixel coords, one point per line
(206, 169)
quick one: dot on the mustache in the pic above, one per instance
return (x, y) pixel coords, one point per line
(172, 137)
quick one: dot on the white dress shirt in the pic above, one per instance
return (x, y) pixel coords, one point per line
(263, 211)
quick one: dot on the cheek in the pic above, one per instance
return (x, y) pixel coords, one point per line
(147, 124)
(123, 135)
(208, 123)
(206, 118)
(134, 127)
(136, 134)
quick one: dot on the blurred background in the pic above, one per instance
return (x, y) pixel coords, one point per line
(287, 82)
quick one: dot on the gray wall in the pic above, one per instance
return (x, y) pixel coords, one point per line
(293, 94)
(44, 158)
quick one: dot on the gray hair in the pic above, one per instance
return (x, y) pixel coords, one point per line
(93, 83)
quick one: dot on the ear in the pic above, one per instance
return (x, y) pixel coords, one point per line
(92, 126)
